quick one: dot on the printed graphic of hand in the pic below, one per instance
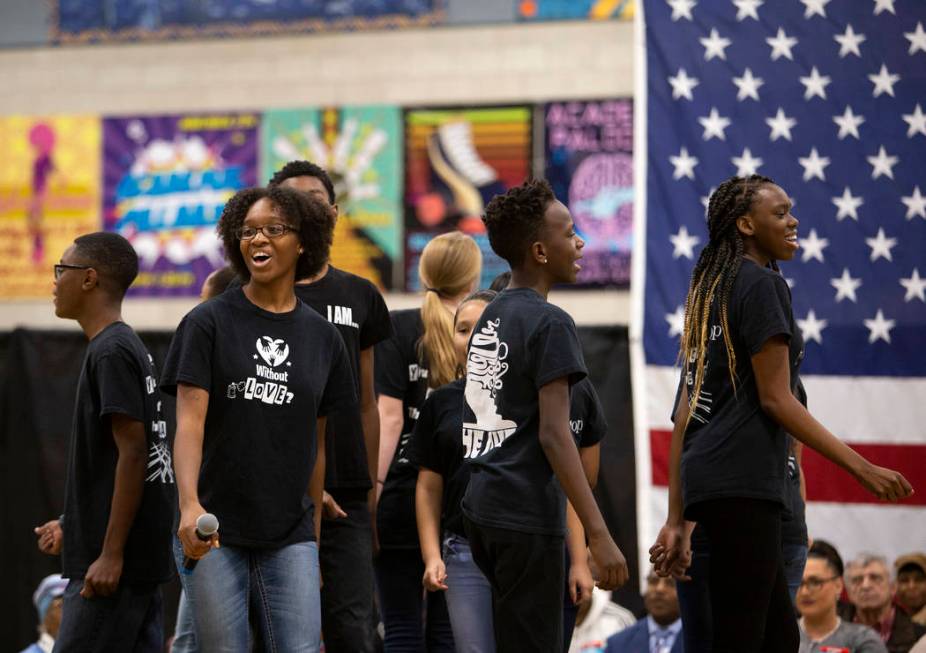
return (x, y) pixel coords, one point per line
(50, 537)
(610, 562)
(193, 547)
(102, 578)
(435, 575)
(671, 553)
(884, 483)
(330, 507)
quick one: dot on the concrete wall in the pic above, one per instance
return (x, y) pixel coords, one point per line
(447, 65)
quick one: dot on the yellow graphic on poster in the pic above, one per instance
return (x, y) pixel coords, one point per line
(49, 195)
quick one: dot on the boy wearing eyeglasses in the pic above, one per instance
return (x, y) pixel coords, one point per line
(115, 537)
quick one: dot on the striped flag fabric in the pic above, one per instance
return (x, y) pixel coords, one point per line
(828, 98)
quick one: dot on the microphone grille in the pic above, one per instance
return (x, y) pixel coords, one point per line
(207, 523)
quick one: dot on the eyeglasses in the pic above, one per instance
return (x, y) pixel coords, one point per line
(61, 267)
(813, 583)
(269, 230)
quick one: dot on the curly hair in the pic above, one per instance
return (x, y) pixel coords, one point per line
(312, 220)
(514, 220)
(112, 256)
(304, 169)
(714, 273)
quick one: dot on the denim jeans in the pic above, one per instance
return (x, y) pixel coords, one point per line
(130, 620)
(414, 620)
(469, 599)
(795, 556)
(184, 630)
(281, 585)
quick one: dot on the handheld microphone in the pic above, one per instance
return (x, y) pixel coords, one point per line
(206, 526)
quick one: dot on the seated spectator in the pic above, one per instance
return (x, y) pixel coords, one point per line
(597, 620)
(47, 600)
(821, 628)
(911, 585)
(661, 630)
(868, 583)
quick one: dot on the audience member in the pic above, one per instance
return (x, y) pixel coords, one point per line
(911, 585)
(661, 630)
(596, 620)
(47, 600)
(820, 625)
(870, 591)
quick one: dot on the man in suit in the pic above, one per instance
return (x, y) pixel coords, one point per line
(661, 630)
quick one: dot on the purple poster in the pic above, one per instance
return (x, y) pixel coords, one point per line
(165, 181)
(589, 162)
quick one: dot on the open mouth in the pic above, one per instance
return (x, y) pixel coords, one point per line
(791, 239)
(260, 259)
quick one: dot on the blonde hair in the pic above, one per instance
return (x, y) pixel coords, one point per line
(449, 267)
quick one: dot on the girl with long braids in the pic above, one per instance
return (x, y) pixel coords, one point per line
(419, 357)
(741, 351)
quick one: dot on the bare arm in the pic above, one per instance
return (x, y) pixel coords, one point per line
(580, 578)
(317, 480)
(102, 578)
(429, 493)
(773, 379)
(390, 430)
(192, 404)
(561, 452)
(591, 459)
(369, 413)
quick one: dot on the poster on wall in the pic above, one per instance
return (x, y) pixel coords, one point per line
(166, 180)
(529, 10)
(456, 160)
(49, 195)
(361, 149)
(589, 163)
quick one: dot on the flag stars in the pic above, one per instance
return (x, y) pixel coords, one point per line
(714, 124)
(915, 286)
(812, 247)
(882, 164)
(811, 327)
(881, 246)
(781, 45)
(683, 243)
(684, 164)
(746, 164)
(683, 85)
(781, 125)
(815, 8)
(884, 5)
(849, 42)
(813, 165)
(915, 203)
(884, 82)
(917, 39)
(815, 84)
(846, 286)
(916, 122)
(879, 328)
(848, 123)
(747, 9)
(715, 45)
(847, 205)
(676, 321)
(681, 9)
(748, 86)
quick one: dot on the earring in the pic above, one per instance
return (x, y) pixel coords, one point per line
(544, 261)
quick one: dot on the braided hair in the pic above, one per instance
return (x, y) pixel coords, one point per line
(714, 274)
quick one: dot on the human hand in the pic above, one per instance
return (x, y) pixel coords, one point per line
(102, 577)
(193, 547)
(330, 507)
(435, 575)
(581, 582)
(612, 567)
(671, 553)
(884, 483)
(50, 537)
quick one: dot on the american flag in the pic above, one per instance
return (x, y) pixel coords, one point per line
(828, 98)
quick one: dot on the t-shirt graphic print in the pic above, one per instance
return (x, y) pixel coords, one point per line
(485, 368)
(268, 384)
(520, 344)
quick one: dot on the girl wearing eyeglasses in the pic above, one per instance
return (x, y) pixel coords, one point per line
(255, 372)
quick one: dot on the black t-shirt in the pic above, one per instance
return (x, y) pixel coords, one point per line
(118, 378)
(357, 309)
(401, 374)
(520, 344)
(793, 521)
(269, 376)
(436, 445)
(586, 416)
(732, 448)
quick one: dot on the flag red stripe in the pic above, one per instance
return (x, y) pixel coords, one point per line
(825, 481)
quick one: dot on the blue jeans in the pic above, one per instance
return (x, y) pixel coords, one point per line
(414, 620)
(185, 629)
(469, 599)
(795, 556)
(281, 585)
